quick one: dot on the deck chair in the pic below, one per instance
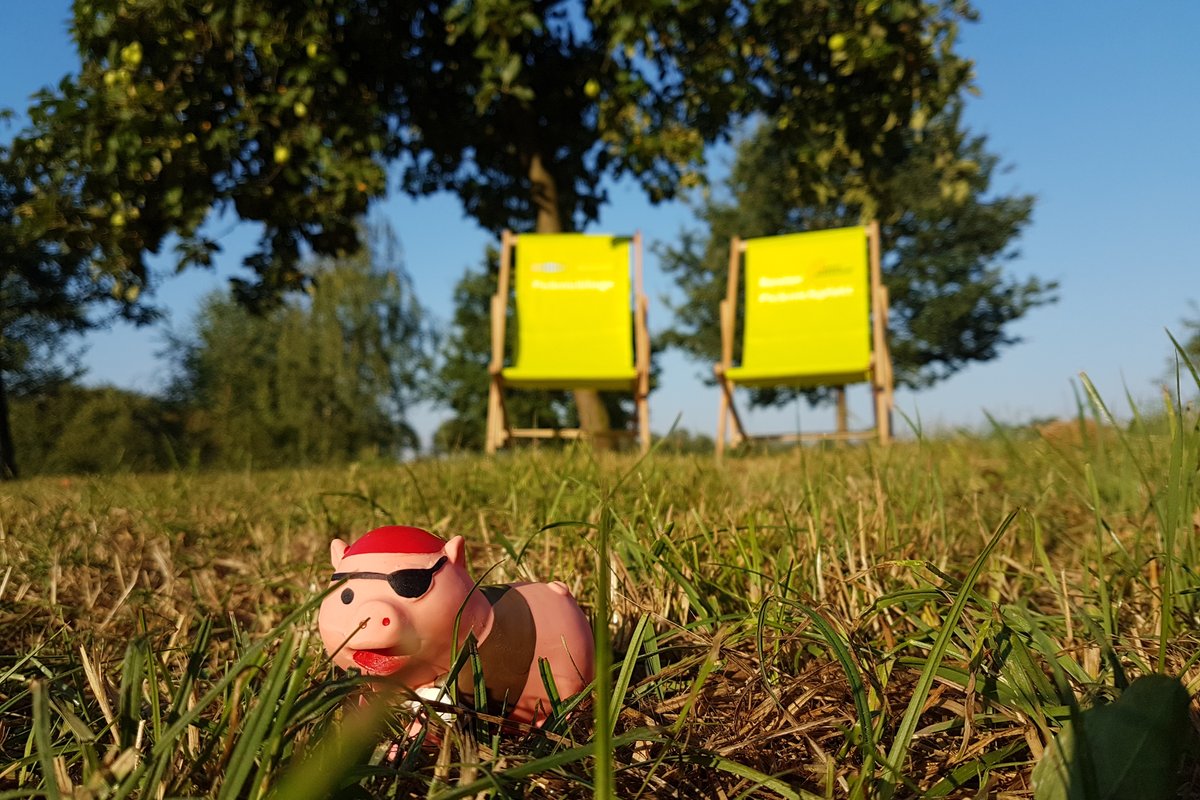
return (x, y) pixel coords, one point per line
(576, 327)
(815, 315)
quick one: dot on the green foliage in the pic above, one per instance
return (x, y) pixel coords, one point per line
(324, 379)
(287, 112)
(72, 429)
(682, 441)
(945, 237)
(1189, 345)
(1192, 344)
(47, 295)
(1129, 749)
(181, 108)
(43, 298)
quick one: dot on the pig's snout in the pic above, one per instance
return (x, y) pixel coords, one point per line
(375, 625)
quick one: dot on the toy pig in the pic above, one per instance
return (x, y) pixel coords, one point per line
(395, 616)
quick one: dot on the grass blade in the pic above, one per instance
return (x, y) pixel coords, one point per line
(621, 687)
(42, 739)
(603, 687)
(908, 723)
(841, 652)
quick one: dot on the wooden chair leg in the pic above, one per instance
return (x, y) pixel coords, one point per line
(729, 421)
(495, 412)
(883, 417)
(722, 421)
(643, 419)
(489, 438)
(738, 429)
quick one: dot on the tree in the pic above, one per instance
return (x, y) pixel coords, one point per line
(1189, 341)
(70, 428)
(288, 111)
(1191, 345)
(945, 235)
(322, 379)
(47, 294)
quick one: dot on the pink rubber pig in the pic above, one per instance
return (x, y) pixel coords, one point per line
(395, 617)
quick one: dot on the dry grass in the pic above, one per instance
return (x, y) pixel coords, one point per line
(756, 609)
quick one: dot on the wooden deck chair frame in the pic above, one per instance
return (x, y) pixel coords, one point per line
(499, 431)
(729, 422)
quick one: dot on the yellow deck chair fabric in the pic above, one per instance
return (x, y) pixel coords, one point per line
(815, 314)
(581, 324)
(807, 310)
(573, 313)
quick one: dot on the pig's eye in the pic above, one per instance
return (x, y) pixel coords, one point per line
(347, 596)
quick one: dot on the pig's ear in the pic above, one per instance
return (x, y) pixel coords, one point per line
(454, 551)
(336, 549)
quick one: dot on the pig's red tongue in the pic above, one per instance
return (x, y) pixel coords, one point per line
(377, 662)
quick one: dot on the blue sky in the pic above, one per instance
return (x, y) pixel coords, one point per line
(1095, 106)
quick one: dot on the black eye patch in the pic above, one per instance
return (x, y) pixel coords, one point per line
(410, 583)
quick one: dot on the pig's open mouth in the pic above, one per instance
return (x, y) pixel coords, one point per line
(379, 662)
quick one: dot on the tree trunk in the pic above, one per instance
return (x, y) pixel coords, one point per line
(593, 416)
(8, 460)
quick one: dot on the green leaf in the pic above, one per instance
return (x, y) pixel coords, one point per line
(511, 68)
(1129, 749)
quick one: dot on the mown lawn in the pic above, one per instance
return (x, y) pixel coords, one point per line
(914, 621)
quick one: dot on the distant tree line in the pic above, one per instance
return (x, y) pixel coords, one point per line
(324, 377)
